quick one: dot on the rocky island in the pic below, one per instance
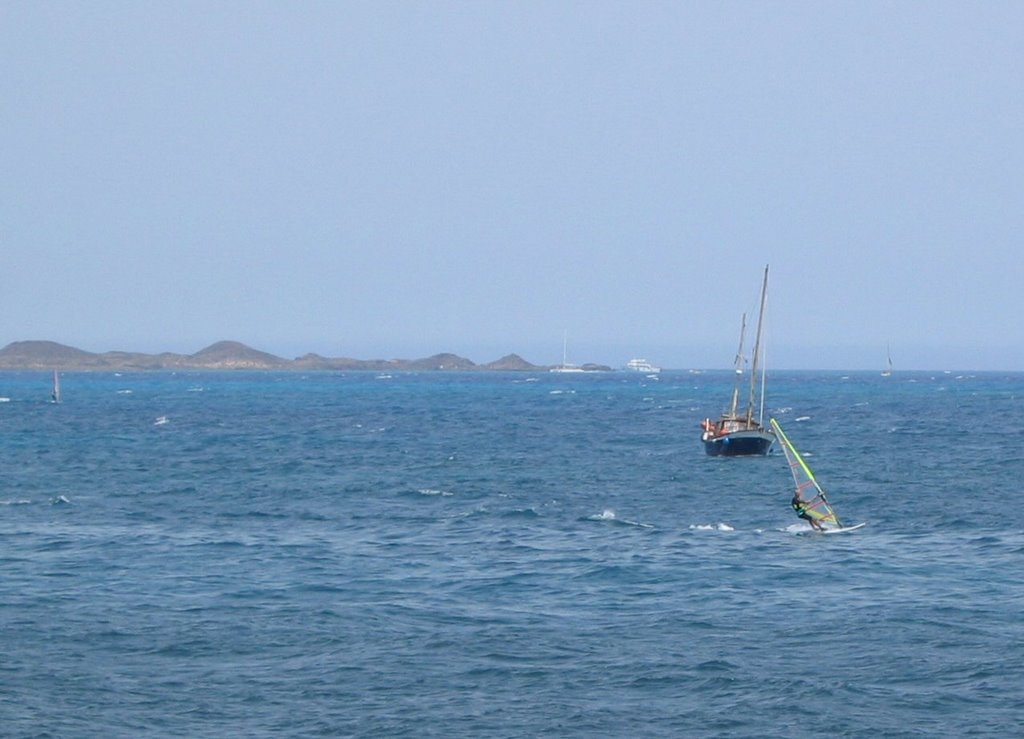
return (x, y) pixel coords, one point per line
(232, 355)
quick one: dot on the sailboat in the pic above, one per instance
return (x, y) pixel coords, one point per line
(808, 490)
(565, 366)
(736, 434)
(55, 393)
(888, 370)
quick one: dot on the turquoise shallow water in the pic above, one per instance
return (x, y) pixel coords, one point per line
(506, 555)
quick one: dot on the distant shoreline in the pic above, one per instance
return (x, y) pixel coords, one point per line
(232, 355)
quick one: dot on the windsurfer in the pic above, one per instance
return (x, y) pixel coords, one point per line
(803, 508)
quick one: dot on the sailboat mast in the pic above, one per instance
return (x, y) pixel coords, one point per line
(757, 349)
(739, 369)
(760, 413)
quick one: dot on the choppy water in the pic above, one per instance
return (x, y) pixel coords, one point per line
(506, 555)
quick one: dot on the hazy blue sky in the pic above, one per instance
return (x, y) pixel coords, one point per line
(395, 179)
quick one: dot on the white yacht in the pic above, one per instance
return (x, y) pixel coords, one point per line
(642, 365)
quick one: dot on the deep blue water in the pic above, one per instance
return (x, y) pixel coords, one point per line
(506, 555)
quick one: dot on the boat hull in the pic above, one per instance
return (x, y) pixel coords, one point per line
(746, 443)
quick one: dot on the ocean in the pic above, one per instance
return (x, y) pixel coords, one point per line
(499, 554)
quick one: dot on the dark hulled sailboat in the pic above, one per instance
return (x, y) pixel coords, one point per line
(736, 434)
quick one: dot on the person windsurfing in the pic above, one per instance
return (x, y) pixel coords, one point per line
(803, 510)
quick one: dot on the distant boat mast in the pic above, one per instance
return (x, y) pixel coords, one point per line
(756, 357)
(739, 368)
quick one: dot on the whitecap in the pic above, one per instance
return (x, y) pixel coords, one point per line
(160, 421)
(610, 515)
(711, 527)
(638, 524)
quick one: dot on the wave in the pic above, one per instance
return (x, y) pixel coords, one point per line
(433, 492)
(720, 526)
(610, 516)
(521, 513)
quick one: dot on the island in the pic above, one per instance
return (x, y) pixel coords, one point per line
(233, 355)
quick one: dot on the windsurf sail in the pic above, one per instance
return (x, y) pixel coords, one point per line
(807, 488)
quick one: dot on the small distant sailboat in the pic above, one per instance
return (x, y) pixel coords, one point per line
(55, 393)
(808, 491)
(887, 372)
(565, 366)
(735, 435)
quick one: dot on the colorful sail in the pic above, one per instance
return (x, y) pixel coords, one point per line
(807, 487)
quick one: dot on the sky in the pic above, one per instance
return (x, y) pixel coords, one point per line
(396, 179)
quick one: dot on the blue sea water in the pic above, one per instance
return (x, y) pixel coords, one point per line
(506, 555)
